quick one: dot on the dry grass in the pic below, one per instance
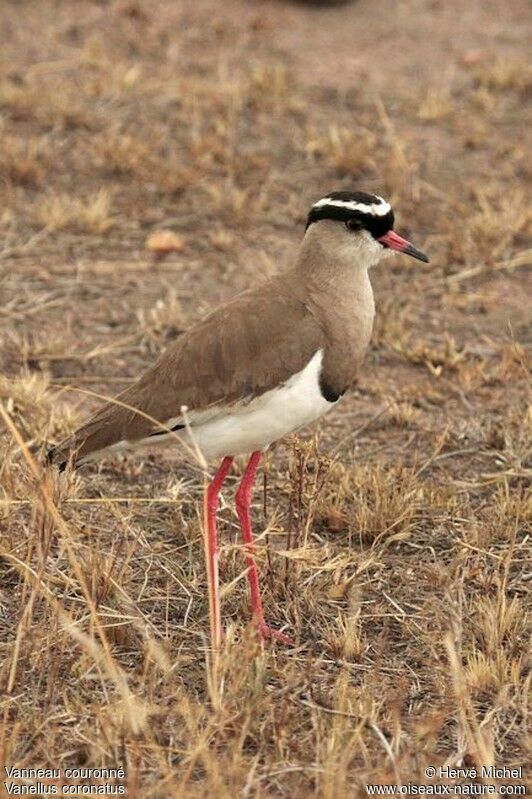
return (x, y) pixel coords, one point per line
(23, 163)
(64, 212)
(505, 73)
(493, 223)
(436, 104)
(349, 152)
(395, 543)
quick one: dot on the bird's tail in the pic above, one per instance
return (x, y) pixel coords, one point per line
(106, 429)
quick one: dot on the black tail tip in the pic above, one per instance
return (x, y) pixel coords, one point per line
(51, 460)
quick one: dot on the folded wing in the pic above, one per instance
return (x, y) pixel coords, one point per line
(245, 347)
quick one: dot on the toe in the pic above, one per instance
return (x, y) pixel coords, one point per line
(267, 633)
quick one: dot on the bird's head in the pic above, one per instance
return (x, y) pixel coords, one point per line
(360, 222)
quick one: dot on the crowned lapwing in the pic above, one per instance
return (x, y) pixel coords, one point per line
(267, 362)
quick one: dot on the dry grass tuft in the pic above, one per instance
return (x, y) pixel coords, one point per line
(34, 408)
(349, 152)
(436, 104)
(49, 104)
(165, 319)
(493, 221)
(24, 163)
(504, 74)
(92, 215)
(269, 88)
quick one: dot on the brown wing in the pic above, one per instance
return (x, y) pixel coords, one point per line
(244, 348)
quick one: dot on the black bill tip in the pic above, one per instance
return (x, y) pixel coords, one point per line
(415, 253)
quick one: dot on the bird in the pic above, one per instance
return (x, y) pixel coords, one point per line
(265, 363)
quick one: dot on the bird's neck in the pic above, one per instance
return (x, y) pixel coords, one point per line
(339, 273)
(335, 284)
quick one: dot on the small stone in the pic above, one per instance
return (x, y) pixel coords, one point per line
(162, 242)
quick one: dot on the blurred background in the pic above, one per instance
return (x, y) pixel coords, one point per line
(156, 156)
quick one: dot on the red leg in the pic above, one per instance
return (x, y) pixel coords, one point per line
(211, 549)
(243, 500)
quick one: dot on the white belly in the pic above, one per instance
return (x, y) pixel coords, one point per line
(255, 425)
(250, 425)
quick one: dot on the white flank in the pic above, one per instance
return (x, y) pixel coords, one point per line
(376, 209)
(254, 425)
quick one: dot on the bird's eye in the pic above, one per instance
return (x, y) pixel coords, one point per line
(353, 224)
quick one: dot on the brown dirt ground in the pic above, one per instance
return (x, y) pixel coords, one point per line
(397, 551)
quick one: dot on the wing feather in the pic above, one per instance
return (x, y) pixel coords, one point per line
(245, 347)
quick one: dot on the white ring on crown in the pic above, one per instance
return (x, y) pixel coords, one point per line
(375, 209)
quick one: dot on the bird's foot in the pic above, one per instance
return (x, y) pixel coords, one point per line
(266, 633)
